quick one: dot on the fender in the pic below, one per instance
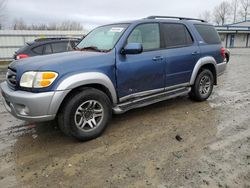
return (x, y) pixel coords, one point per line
(202, 61)
(81, 79)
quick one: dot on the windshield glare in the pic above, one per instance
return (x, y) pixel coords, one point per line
(103, 38)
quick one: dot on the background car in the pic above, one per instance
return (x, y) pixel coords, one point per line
(45, 46)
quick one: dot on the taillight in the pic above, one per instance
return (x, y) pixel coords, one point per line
(21, 56)
(223, 52)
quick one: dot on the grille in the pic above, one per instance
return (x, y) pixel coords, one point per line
(11, 78)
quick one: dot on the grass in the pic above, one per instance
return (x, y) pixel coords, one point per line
(4, 63)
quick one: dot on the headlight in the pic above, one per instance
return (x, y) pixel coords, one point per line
(34, 79)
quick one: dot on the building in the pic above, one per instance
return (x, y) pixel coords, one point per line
(235, 35)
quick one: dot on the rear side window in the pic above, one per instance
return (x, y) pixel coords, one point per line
(22, 49)
(208, 34)
(176, 35)
(48, 49)
(60, 47)
(38, 50)
(146, 34)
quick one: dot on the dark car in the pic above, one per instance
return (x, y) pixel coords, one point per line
(45, 46)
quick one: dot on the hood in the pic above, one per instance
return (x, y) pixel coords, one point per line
(65, 63)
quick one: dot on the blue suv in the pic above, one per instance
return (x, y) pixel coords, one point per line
(116, 68)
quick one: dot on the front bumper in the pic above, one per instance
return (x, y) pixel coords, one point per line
(32, 107)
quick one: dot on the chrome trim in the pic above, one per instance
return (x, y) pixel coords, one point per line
(82, 79)
(162, 96)
(202, 61)
(140, 94)
(151, 92)
(177, 86)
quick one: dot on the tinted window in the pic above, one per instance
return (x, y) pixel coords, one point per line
(146, 34)
(48, 49)
(208, 33)
(60, 47)
(74, 43)
(24, 48)
(38, 50)
(176, 35)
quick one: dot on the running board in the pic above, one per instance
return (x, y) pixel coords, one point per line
(137, 103)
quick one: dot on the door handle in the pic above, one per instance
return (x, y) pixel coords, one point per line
(157, 58)
(195, 53)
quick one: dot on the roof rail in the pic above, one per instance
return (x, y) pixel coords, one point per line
(174, 17)
(54, 38)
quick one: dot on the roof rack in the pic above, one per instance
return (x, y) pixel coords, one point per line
(54, 38)
(174, 17)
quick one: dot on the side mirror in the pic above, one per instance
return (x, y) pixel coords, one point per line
(132, 48)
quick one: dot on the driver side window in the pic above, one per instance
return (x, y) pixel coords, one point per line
(146, 34)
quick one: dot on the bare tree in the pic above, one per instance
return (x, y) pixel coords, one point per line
(245, 9)
(2, 12)
(70, 25)
(19, 24)
(206, 15)
(234, 7)
(221, 13)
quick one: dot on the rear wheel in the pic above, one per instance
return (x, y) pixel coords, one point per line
(203, 86)
(85, 115)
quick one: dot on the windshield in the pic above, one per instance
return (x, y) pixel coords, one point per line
(102, 38)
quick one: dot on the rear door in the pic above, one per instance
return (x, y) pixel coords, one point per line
(180, 53)
(210, 42)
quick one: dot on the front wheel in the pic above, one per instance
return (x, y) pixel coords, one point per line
(203, 86)
(85, 115)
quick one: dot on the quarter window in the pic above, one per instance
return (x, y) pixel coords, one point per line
(208, 33)
(176, 35)
(146, 34)
(60, 47)
(38, 50)
(47, 49)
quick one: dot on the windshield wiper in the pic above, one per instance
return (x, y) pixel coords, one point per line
(94, 48)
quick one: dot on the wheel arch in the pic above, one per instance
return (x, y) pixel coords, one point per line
(75, 83)
(204, 63)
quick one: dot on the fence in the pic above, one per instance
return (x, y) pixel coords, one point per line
(12, 40)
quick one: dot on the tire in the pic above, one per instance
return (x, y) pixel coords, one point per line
(227, 58)
(203, 86)
(85, 114)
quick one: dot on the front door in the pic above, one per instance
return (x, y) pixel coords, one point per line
(143, 73)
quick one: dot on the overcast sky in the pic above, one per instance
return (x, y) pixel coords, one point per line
(92, 13)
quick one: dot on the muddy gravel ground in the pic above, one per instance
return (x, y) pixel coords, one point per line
(139, 148)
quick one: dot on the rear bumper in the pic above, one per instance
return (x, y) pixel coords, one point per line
(32, 107)
(221, 67)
